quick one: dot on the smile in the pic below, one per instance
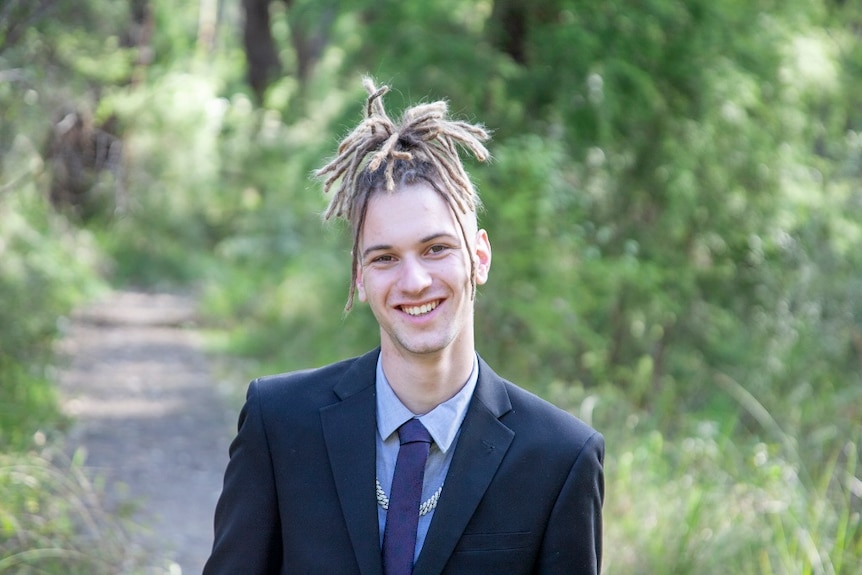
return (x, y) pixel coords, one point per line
(420, 309)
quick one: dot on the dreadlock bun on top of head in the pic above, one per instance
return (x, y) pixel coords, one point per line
(425, 140)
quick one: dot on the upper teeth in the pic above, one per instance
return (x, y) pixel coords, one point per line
(420, 309)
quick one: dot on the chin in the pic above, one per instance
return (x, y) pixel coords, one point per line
(426, 347)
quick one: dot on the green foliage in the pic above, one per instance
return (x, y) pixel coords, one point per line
(674, 207)
(45, 268)
(710, 500)
(175, 207)
(608, 192)
(52, 521)
(287, 274)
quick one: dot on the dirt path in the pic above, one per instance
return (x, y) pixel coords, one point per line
(151, 420)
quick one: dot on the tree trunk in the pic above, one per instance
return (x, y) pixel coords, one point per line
(309, 39)
(260, 51)
(508, 30)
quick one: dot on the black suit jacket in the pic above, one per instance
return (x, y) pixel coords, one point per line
(523, 493)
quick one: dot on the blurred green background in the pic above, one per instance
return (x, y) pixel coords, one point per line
(675, 207)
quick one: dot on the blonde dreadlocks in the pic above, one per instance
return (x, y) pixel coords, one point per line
(378, 154)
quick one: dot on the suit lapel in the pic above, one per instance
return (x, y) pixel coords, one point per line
(349, 431)
(481, 447)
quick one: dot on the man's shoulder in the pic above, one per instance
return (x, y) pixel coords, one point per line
(542, 427)
(531, 415)
(538, 408)
(306, 375)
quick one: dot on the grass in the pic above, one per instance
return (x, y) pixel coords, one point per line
(716, 498)
(53, 519)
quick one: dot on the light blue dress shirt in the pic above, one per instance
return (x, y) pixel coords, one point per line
(443, 423)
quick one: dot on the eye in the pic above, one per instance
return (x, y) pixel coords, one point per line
(437, 249)
(382, 259)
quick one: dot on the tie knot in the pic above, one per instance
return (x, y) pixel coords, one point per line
(413, 431)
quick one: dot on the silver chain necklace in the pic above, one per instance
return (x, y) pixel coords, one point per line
(427, 506)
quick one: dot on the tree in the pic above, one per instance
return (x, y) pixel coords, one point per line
(309, 25)
(262, 58)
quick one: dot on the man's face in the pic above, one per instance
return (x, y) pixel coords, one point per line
(414, 271)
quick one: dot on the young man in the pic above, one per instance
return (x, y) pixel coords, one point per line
(416, 457)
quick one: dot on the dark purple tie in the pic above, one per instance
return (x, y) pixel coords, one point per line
(402, 518)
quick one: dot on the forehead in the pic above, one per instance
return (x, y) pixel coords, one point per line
(409, 213)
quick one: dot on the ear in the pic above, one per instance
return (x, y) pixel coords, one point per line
(482, 253)
(360, 285)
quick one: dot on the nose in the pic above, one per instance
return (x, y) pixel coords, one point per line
(414, 276)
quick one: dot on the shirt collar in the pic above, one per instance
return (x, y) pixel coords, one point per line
(442, 422)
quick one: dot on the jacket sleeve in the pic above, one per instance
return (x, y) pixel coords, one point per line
(247, 530)
(572, 543)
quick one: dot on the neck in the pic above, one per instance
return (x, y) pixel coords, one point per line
(422, 382)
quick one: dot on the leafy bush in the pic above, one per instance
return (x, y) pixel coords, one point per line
(45, 268)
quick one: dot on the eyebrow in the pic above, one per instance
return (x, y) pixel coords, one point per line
(425, 240)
